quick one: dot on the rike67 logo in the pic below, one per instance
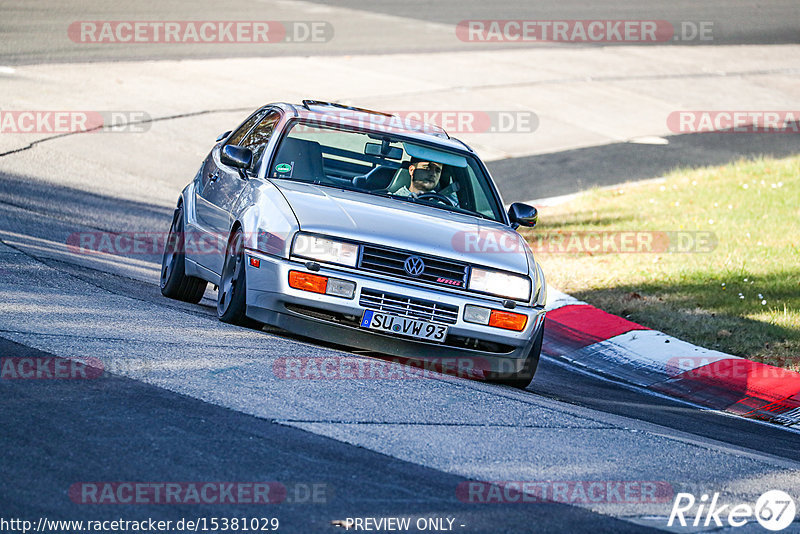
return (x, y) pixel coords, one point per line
(774, 510)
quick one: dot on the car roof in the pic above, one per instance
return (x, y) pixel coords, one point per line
(378, 121)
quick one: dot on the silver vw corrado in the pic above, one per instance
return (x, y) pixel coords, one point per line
(363, 229)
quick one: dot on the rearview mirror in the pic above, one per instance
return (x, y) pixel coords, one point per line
(223, 135)
(523, 215)
(383, 150)
(236, 156)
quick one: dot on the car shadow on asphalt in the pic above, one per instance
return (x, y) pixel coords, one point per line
(571, 171)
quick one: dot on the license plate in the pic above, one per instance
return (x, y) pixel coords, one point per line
(403, 326)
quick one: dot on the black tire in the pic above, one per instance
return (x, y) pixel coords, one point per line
(523, 378)
(174, 282)
(231, 298)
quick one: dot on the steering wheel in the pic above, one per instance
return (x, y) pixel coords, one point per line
(437, 197)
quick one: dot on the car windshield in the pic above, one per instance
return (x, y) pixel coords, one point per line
(384, 164)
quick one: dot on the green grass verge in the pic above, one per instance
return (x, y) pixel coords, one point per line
(742, 297)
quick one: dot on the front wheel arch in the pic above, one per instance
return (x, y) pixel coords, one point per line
(232, 287)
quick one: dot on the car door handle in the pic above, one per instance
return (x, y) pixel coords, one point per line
(213, 177)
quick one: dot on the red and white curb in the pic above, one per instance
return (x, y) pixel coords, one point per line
(610, 345)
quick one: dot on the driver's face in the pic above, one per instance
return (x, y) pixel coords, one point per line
(425, 175)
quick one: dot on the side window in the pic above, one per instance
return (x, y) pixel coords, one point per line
(257, 139)
(238, 135)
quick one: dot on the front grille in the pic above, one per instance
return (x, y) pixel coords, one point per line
(423, 310)
(391, 262)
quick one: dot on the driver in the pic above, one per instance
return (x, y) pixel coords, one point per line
(425, 176)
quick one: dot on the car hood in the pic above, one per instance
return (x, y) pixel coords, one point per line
(404, 225)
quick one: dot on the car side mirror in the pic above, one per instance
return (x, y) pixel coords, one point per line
(523, 215)
(236, 156)
(223, 135)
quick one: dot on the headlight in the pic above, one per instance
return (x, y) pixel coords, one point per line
(499, 283)
(325, 250)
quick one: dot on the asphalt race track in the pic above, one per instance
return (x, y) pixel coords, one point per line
(35, 31)
(185, 398)
(193, 399)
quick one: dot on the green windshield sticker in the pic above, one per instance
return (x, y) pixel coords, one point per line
(283, 167)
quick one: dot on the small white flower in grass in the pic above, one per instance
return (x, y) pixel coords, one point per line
(730, 206)
(760, 296)
(652, 201)
(780, 184)
(694, 182)
(677, 203)
(723, 284)
(716, 204)
(745, 186)
(711, 221)
(662, 188)
(763, 302)
(747, 234)
(745, 279)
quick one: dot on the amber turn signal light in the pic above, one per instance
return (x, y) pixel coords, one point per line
(308, 282)
(508, 320)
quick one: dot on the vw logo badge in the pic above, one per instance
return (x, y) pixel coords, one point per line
(414, 265)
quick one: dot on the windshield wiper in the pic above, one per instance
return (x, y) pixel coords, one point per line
(454, 209)
(465, 211)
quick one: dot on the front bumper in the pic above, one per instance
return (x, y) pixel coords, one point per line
(271, 300)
